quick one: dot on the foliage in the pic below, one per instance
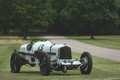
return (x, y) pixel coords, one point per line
(118, 4)
(29, 14)
(58, 6)
(6, 15)
(90, 16)
(33, 14)
(76, 17)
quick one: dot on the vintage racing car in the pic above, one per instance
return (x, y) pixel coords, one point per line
(50, 57)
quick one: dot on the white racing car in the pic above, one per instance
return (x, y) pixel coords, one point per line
(50, 57)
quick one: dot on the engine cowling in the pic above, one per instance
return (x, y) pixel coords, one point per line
(62, 51)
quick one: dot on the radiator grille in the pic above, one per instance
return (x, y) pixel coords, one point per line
(65, 53)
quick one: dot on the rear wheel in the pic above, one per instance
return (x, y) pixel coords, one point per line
(15, 62)
(45, 64)
(86, 61)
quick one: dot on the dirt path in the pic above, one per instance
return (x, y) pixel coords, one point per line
(80, 47)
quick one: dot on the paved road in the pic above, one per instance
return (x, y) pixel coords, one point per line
(80, 47)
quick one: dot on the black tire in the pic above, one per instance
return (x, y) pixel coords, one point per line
(86, 60)
(15, 63)
(45, 64)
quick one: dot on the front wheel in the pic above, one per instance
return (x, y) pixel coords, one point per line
(86, 61)
(45, 64)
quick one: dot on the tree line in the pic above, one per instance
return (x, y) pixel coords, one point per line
(70, 17)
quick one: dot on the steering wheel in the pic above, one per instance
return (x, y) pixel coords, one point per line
(36, 40)
(29, 46)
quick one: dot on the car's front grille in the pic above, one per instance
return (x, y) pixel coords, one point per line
(65, 53)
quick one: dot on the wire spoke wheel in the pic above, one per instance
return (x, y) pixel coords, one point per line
(45, 64)
(86, 61)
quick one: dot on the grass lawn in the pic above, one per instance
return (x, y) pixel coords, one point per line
(102, 68)
(103, 41)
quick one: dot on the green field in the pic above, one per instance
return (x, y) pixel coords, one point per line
(103, 41)
(102, 68)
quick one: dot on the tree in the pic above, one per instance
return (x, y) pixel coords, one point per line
(33, 14)
(58, 6)
(118, 4)
(6, 15)
(90, 16)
